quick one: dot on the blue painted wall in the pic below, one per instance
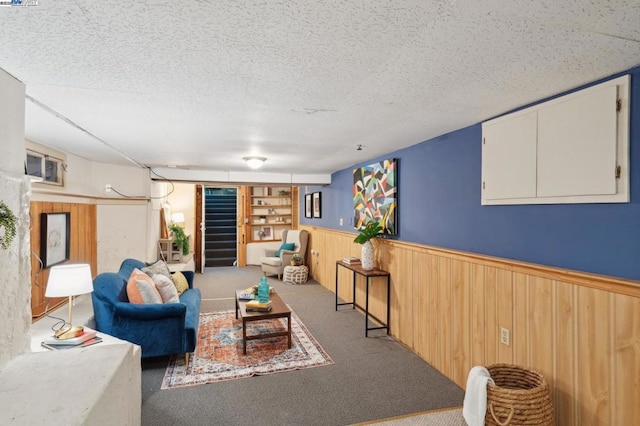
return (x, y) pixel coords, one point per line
(439, 204)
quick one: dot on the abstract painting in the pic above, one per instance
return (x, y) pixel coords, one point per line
(375, 195)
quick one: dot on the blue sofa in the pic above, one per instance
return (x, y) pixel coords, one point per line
(160, 329)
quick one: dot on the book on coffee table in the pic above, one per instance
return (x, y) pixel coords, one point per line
(55, 347)
(257, 306)
(87, 334)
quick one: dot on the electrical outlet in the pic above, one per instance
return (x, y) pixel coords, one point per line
(107, 188)
(504, 336)
(341, 222)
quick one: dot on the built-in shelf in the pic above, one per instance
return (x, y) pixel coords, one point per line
(276, 205)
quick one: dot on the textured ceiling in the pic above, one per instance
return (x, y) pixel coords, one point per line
(201, 84)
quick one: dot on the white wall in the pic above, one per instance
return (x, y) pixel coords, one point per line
(15, 279)
(182, 200)
(127, 227)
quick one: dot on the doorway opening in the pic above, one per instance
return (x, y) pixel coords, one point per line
(220, 230)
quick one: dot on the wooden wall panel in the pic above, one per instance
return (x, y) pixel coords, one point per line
(504, 314)
(593, 357)
(520, 336)
(626, 358)
(82, 247)
(581, 331)
(541, 327)
(492, 331)
(401, 296)
(460, 330)
(444, 314)
(434, 305)
(565, 374)
(420, 323)
(476, 314)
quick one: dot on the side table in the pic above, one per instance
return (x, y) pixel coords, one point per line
(357, 269)
(295, 274)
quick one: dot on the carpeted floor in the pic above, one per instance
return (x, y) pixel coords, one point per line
(219, 354)
(371, 378)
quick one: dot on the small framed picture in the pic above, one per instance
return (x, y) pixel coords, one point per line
(308, 206)
(317, 204)
(54, 238)
(265, 233)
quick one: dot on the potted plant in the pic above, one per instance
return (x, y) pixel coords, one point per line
(8, 222)
(370, 231)
(262, 218)
(296, 260)
(180, 239)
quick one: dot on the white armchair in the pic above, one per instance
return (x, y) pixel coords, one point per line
(274, 265)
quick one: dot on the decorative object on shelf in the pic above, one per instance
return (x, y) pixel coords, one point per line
(179, 237)
(284, 193)
(54, 238)
(308, 206)
(370, 231)
(266, 233)
(263, 219)
(296, 260)
(317, 204)
(8, 223)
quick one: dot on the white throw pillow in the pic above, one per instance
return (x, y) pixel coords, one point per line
(166, 288)
(160, 267)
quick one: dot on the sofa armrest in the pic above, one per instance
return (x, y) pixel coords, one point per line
(149, 312)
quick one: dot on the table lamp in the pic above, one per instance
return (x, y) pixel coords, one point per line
(177, 217)
(69, 280)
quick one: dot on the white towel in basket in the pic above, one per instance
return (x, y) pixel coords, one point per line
(475, 398)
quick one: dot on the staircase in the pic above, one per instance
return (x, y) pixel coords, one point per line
(220, 243)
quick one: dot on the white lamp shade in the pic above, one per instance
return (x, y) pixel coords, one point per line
(177, 218)
(255, 162)
(69, 280)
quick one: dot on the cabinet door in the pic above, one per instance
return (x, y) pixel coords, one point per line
(509, 157)
(577, 145)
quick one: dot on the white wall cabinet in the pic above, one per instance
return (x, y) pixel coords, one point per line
(572, 149)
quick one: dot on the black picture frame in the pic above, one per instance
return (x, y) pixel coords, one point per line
(317, 205)
(308, 206)
(54, 238)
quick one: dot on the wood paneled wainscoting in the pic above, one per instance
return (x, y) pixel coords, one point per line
(82, 248)
(581, 331)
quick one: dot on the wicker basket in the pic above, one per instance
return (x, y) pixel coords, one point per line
(520, 397)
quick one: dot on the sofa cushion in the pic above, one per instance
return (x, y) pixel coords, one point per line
(158, 268)
(141, 289)
(166, 288)
(180, 281)
(285, 246)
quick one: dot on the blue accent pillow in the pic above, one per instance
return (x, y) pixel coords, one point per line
(285, 246)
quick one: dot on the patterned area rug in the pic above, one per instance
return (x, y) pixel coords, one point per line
(442, 417)
(219, 357)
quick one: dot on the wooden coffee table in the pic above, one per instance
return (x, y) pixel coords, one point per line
(278, 310)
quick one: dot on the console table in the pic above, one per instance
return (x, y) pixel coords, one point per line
(374, 273)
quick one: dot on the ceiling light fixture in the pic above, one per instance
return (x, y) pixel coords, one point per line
(255, 162)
